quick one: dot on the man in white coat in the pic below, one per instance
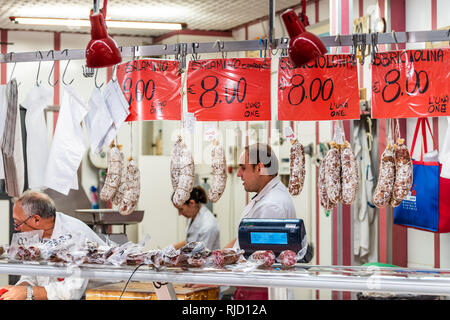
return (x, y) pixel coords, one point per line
(36, 211)
(258, 170)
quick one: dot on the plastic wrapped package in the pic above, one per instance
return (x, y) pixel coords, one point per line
(172, 257)
(25, 246)
(287, 258)
(3, 250)
(264, 258)
(223, 257)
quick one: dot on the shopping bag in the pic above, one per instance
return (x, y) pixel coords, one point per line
(427, 205)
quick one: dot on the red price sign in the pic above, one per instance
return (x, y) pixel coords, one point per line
(229, 89)
(411, 83)
(324, 89)
(152, 88)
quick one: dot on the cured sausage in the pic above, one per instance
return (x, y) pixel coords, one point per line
(297, 168)
(333, 174)
(403, 171)
(386, 178)
(131, 190)
(219, 173)
(323, 196)
(182, 172)
(113, 174)
(349, 174)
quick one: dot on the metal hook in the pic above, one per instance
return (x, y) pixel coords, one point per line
(112, 73)
(395, 39)
(65, 69)
(53, 67)
(39, 69)
(195, 56)
(374, 46)
(165, 49)
(95, 80)
(362, 49)
(220, 45)
(284, 41)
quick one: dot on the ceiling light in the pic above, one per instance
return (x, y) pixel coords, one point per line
(118, 24)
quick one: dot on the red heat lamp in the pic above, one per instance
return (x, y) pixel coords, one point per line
(102, 50)
(303, 45)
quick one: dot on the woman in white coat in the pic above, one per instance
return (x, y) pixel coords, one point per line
(202, 225)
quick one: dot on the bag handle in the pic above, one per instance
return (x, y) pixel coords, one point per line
(424, 147)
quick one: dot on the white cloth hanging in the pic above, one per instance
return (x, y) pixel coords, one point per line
(117, 104)
(38, 146)
(99, 123)
(68, 146)
(364, 208)
(3, 111)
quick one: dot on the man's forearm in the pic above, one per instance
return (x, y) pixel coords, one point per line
(39, 293)
(231, 244)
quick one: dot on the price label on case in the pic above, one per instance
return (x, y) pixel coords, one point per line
(152, 88)
(324, 89)
(229, 89)
(411, 83)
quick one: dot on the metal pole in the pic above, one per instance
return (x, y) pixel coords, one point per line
(271, 19)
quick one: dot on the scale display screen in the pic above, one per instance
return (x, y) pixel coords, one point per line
(268, 238)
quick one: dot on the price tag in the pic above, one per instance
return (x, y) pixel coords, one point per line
(229, 89)
(289, 134)
(211, 132)
(411, 83)
(189, 122)
(324, 89)
(152, 88)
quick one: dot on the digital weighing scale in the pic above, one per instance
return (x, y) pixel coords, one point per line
(273, 234)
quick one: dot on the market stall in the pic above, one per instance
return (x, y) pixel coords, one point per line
(316, 79)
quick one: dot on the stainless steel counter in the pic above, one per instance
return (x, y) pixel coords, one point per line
(340, 278)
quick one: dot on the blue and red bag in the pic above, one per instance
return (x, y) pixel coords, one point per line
(427, 205)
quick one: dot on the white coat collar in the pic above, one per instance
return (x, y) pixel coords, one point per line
(269, 186)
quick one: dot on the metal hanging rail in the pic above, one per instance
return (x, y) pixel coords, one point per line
(180, 49)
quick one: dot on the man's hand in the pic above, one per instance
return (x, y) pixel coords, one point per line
(14, 293)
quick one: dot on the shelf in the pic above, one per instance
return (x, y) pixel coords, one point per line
(341, 278)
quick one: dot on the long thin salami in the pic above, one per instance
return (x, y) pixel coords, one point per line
(113, 174)
(349, 174)
(219, 172)
(403, 171)
(323, 196)
(182, 167)
(386, 179)
(297, 168)
(333, 174)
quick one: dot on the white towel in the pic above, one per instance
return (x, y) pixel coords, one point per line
(117, 104)
(68, 146)
(99, 123)
(38, 146)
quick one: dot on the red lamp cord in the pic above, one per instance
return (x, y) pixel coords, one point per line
(303, 16)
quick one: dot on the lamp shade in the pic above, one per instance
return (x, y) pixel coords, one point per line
(303, 45)
(102, 50)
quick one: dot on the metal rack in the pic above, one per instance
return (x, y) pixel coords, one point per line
(341, 278)
(183, 49)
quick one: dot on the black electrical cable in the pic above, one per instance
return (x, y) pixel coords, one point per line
(126, 285)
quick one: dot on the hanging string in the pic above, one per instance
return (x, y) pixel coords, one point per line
(182, 94)
(131, 141)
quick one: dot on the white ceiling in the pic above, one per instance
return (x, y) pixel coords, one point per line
(197, 14)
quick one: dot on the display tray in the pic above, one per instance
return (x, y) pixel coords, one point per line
(109, 216)
(146, 291)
